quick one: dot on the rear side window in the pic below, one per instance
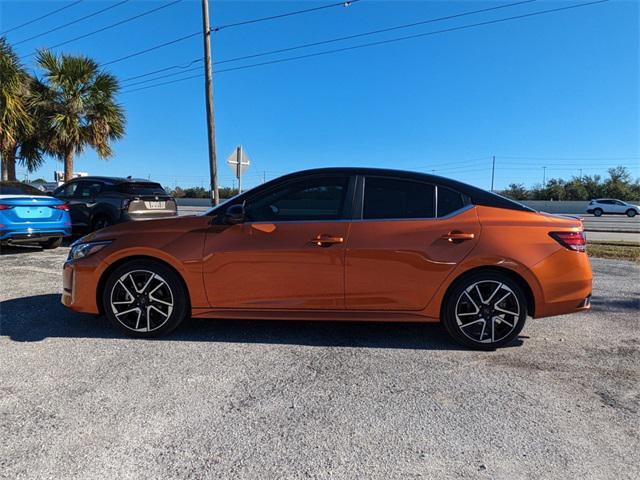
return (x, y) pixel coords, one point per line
(141, 188)
(17, 188)
(448, 201)
(394, 198)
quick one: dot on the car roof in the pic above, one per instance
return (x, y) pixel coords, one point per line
(477, 195)
(112, 179)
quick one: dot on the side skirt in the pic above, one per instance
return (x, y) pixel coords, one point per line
(316, 315)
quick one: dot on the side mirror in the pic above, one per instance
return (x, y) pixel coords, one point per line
(234, 215)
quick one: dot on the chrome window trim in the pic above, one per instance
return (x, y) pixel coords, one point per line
(469, 206)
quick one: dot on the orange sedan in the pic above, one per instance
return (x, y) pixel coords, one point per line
(340, 244)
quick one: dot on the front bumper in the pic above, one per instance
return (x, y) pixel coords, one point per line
(79, 281)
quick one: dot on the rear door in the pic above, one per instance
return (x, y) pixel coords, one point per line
(289, 253)
(409, 237)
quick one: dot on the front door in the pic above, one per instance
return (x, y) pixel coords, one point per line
(401, 251)
(289, 252)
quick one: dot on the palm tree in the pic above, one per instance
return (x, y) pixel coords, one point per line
(15, 119)
(75, 100)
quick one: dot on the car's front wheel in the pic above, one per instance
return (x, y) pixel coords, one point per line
(485, 310)
(598, 212)
(145, 299)
(631, 212)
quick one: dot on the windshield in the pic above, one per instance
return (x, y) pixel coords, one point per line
(18, 188)
(142, 188)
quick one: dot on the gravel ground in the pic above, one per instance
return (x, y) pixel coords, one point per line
(313, 400)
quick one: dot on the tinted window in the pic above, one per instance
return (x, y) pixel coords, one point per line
(314, 199)
(392, 198)
(66, 191)
(448, 201)
(88, 189)
(140, 188)
(18, 188)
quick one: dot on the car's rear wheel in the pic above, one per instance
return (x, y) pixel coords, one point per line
(598, 212)
(100, 221)
(631, 212)
(145, 299)
(51, 243)
(485, 310)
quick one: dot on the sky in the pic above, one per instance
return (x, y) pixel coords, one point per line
(559, 90)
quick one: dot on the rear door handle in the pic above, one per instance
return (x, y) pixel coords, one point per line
(326, 240)
(457, 237)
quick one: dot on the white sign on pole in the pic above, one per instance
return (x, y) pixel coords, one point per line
(238, 162)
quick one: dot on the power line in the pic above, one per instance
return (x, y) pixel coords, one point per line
(41, 17)
(172, 67)
(151, 49)
(410, 37)
(323, 42)
(282, 15)
(382, 42)
(60, 27)
(113, 25)
(373, 32)
(245, 22)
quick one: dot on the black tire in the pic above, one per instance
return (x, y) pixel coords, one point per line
(100, 221)
(598, 212)
(164, 285)
(51, 243)
(631, 212)
(462, 299)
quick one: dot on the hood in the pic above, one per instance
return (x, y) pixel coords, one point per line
(160, 226)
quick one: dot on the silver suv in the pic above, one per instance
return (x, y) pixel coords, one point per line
(611, 205)
(97, 202)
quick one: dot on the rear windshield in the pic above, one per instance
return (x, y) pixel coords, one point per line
(17, 188)
(142, 188)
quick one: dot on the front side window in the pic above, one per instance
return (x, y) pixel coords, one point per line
(395, 198)
(88, 189)
(318, 199)
(66, 191)
(449, 201)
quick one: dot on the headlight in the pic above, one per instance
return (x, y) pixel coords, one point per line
(81, 250)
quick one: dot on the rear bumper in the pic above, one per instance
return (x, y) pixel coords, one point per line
(150, 215)
(566, 282)
(31, 235)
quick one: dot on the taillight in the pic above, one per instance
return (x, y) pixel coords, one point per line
(572, 240)
(64, 207)
(5, 206)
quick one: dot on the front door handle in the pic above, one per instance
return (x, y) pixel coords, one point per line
(326, 240)
(457, 236)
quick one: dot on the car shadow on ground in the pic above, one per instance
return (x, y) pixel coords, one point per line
(35, 318)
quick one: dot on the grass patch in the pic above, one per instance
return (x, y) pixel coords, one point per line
(616, 250)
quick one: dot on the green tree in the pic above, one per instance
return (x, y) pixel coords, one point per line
(618, 185)
(516, 191)
(76, 101)
(15, 120)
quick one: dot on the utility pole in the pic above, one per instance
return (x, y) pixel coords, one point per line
(544, 177)
(493, 172)
(208, 86)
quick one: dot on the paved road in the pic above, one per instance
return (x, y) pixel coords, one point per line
(313, 400)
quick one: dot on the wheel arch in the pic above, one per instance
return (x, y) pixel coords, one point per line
(513, 275)
(118, 263)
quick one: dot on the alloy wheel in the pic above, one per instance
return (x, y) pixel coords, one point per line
(141, 301)
(487, 311)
